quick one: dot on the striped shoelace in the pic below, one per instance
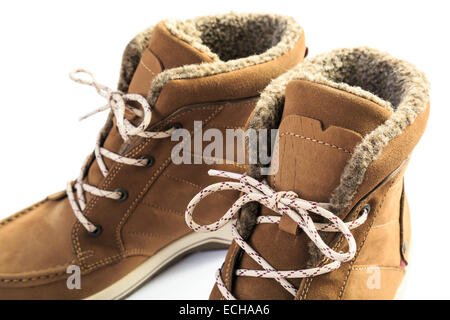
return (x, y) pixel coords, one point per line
(283, 202)
(117, 102)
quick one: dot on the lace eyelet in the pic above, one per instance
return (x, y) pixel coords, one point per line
(123, 194)
(366, 208)
(97, 232)
(150, 161)
(174, 126)
(177, 125)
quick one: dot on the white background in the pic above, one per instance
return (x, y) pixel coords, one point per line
(43, 145)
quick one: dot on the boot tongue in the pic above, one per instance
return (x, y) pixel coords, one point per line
(319, 129)
(164, 51)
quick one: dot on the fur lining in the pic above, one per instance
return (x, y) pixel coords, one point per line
(392, 83)
(233, 41)
(131, 58)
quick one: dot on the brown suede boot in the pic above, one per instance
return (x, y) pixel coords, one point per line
(334, 220)
(122, 220)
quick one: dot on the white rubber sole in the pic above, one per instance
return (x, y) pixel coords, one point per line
(192, 242)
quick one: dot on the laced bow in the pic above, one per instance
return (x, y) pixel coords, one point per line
(284, 202)
(118, 102)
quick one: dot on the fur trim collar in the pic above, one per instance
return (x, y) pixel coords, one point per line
(392, 83)
(232, 41)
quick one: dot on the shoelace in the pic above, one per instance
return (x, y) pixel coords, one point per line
(284, 202)
(117, 102)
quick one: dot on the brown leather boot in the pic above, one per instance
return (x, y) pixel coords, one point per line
(334, 220)
(123, 219)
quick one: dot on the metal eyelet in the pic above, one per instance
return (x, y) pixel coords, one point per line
(150, 161)
(123, 194)
(364, 209)
(177, 125)
(174, 126)
(97, 232)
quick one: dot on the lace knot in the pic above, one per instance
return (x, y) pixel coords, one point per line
(281, 202)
